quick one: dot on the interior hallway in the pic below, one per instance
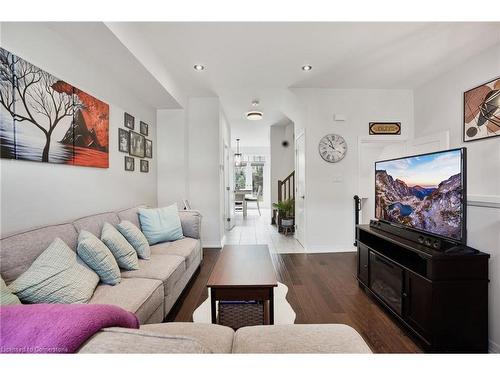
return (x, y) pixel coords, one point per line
(255, 229)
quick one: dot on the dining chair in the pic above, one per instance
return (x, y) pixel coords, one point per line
(239, 202)
(255, 198)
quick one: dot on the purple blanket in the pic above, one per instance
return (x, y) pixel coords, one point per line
(53, 328)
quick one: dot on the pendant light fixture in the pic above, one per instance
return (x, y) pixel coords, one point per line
(254, 115)
(237, 154)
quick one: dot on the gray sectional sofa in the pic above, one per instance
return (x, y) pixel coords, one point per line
(212, 338)
(149, 292)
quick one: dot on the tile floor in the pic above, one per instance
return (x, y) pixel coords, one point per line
(255, 229)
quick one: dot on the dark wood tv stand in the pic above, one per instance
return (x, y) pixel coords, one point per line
(441, 297)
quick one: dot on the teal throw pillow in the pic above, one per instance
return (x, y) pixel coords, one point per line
(161, 224)
(136, 238)
(98, 257)
(6, 295)
(58, 275)
(124, 253)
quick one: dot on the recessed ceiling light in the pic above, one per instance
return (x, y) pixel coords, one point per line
(306, 68)
(254, 115)
(199, 67)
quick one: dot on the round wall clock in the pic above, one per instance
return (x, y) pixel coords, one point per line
(332, 148)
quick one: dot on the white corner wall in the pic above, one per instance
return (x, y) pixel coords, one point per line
(438, 107)
(35, 194)
(282, 158)
(189, 162)
(330, 187)
(172, 157)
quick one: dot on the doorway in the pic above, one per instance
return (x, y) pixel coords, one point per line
(300, 188)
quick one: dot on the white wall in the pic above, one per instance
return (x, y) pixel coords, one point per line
(330, 187)
(189, 162)
(282, 158)
(225, 205)
(35, 194)
(438, 107)
(172, 157)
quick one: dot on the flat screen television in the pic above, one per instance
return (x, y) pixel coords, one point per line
(424, 193)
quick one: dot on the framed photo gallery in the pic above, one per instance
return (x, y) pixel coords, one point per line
(135, 144)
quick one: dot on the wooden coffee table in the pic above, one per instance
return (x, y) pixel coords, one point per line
(244, 273)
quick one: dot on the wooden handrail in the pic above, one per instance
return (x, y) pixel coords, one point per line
(286, 190)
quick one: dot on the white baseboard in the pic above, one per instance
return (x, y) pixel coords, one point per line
(494, 347)
(211, 245)
(329, 249)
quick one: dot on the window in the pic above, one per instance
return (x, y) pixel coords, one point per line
(249, 175)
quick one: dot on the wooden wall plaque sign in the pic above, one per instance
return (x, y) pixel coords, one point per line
(385, 128)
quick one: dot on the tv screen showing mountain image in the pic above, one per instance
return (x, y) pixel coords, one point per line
(423, 192)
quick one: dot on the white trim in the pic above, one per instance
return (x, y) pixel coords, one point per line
(299, 134)
(329, 249)
(211, 245)
(494, 347)
(492, 201)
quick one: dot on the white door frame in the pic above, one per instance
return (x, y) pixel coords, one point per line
(228, 206)
(302, 240)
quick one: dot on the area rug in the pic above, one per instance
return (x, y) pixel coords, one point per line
(283, 312)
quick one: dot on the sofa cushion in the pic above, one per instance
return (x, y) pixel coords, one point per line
(188, 248)
(122, 250)
(126, 340)
(58, 275)
(161, 224)
(191, 223)
(17, 252)
(217, 338)
(140, 296)
(6, 295)
(166, 268)
(94, 223)
(98, 257)
(299, 338)
(136, 238)
(131, 214)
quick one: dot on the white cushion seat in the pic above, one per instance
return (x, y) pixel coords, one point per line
(139, 296)
(166, 268)
(217, 338)
(187, 247)
(299, 338)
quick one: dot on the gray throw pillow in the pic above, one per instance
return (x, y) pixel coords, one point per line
(124, 253)
(136, 238)
(58, 275)
(98, 257)
(6, 295)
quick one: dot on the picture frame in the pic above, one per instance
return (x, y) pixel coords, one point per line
(123, 140)
(384, 128)
(144, 166)
(143, 128)
(129, 163)
(149, 149)
(137, 144)
(481, 111)
(129, 121)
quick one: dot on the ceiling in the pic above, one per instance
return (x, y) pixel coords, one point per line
(97, 43)
(343, 55)
(246, 61)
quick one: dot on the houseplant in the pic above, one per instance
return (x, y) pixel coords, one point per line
(285, 212)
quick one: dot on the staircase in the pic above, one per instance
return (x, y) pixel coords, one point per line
(286, 190)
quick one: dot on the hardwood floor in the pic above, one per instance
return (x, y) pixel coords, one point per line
(322, 289)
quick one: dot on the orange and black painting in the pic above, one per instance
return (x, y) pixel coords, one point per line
(482, 111)
(43, 118)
